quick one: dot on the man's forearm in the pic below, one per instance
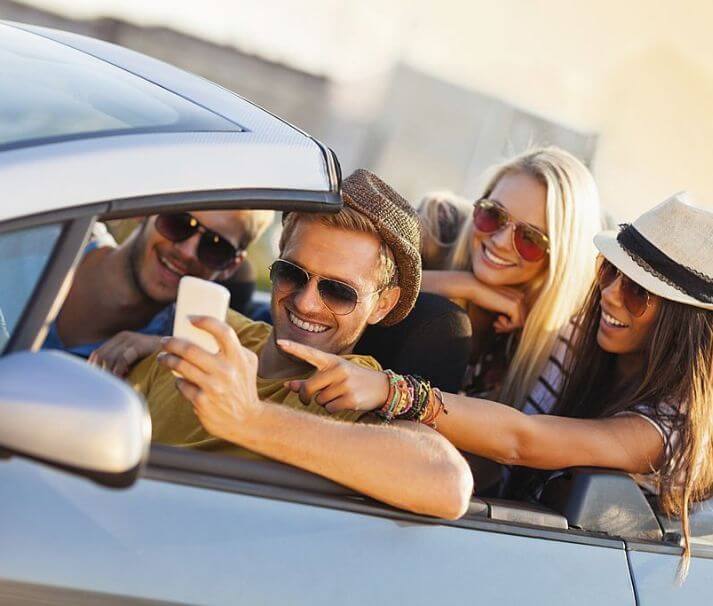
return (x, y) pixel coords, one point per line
(411, 468)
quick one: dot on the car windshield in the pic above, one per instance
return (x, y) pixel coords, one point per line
(24, 254)
(54, 92)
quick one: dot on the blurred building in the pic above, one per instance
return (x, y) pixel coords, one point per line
(419, 132)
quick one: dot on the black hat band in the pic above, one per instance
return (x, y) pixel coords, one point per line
(653, 261)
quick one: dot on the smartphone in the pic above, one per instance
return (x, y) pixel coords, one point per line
(198, 297)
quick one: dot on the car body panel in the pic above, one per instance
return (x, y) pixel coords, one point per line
(654, 577)
(182, 543)
(145, 165)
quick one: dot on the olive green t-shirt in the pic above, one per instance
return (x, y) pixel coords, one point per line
(172, 416)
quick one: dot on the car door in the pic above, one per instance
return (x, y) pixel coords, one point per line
(182, 536)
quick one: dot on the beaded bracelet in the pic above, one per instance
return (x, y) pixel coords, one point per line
(412, 412)
(435, 407)
(411, 398)
(421, 403)
(398, 399)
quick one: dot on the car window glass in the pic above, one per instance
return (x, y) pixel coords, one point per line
(52, 91)
(23, 257)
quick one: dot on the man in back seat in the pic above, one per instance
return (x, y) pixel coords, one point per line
(337, 273)
(121, 300)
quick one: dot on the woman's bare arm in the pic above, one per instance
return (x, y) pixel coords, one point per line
(496, 431)
(508, 302)
(450, 284)
(504, 434)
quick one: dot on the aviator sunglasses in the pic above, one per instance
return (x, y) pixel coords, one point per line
(490, 216)
(636, 298)
(214, 251)
(340, 298)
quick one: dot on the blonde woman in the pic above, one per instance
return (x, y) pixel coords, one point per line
(520, 265)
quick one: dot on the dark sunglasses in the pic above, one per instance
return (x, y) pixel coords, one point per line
(529, 242)
(636, 298)
(214, 251)
(340, 298)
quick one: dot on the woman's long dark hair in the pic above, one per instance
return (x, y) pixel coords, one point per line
(677, 373)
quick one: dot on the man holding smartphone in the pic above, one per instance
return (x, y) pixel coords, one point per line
(336, 274)
(120, 303)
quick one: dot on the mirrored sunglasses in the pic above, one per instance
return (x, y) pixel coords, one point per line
(529, 242)
(635, 297)
(340, 298)
(214, 251)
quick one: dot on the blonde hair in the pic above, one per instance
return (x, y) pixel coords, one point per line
(347, 219)
(441, 214)
(573, 218)
(255, 223)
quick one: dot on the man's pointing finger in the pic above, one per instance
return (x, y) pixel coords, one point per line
(319, 359)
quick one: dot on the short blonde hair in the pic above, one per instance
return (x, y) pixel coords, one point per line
(346, 219)
(255, 223)
(573, 218)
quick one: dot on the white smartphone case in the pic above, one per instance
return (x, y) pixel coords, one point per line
(198, 297)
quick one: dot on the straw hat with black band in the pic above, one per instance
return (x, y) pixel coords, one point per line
(668, 250)
(399, 227)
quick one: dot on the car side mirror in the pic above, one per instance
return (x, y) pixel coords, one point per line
(59, 410)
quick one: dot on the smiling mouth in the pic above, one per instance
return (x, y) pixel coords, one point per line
(304, 325)
(610, 320)
(171, 267)
(494, 259)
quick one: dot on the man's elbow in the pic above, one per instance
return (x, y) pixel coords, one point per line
(455, 488)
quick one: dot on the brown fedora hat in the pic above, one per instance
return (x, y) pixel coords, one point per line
(399, 227)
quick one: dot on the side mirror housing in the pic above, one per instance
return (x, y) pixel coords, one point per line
(56, 409)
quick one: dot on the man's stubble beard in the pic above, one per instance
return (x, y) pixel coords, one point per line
(138, 247)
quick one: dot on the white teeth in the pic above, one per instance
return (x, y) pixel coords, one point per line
(611, 320)
(308, 326)
(171, 266)
(490, 256)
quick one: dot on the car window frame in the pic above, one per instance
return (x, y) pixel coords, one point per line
(48, 293)
(78, 221)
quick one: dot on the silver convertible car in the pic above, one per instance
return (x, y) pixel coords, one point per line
(90, 513)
